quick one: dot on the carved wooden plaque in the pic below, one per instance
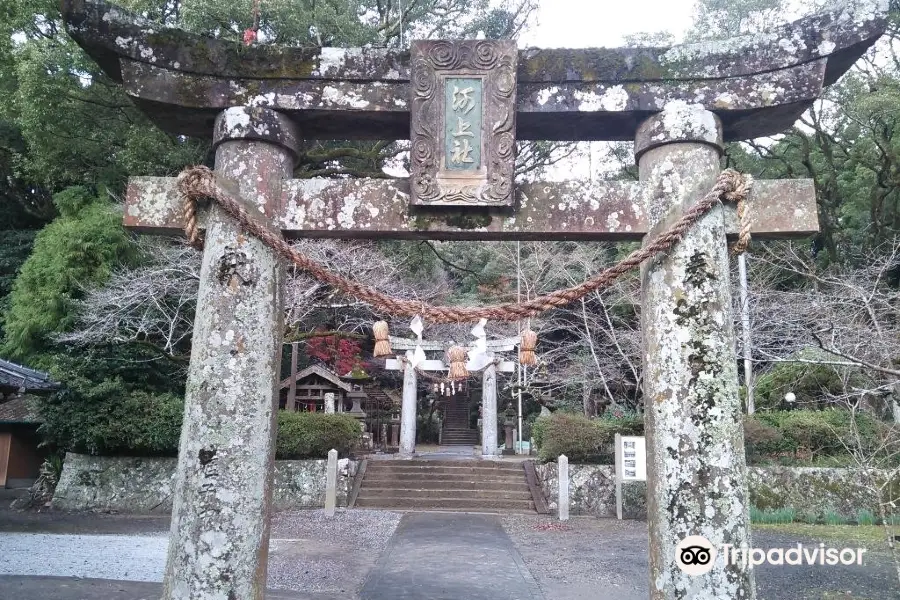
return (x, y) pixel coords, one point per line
(463, 123)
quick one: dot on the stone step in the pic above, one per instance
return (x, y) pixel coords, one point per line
(446, 468)
(446, 462)
(385, 479)
(437, 503)
(462, 493)
(444, 484)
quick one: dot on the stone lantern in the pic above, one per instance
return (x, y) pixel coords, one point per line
(509, 423)
(357, 395)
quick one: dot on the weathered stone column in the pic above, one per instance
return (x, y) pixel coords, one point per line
(696, 469)
(562, 470)
(331, 467)
(220, 516)
(489, 412)
(408, 412)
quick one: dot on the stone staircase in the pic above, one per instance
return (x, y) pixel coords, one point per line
(445, 485)
(456, 431)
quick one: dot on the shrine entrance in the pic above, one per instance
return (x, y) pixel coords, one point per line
(463, 106)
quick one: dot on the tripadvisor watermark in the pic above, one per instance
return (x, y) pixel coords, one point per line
(695, 555)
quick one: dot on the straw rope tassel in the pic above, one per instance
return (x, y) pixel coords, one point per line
(457, 356)
(526, 348)
(382, 339)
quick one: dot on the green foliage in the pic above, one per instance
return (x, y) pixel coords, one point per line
(579, 438)
(312, 435)
(808, 382)
(781, 516)
(110, 419)
(816, 437)
(833, 518)
(760, 438)
(428, 431)
(865, 517)
(538, 429)
(75, 251)
(810, 518)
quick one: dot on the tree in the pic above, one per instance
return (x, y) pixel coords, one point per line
(848, 314)
(78, 249)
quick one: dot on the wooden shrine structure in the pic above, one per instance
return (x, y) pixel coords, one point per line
(463, 105)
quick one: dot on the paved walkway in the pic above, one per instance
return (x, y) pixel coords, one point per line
(68, 588)
(442, 556)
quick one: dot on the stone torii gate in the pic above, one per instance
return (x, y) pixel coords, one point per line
(488, 393)
(463, 105)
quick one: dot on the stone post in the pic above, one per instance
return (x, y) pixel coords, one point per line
(331, 482)
(563, 478)
(329, 403)
(395, 435)
(219, 539)
(408, 412)
(489, 412)
(696, 469)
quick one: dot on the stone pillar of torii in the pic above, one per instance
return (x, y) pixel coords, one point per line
(482, 356)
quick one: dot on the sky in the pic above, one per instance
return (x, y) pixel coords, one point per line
(600, 23)
(593, 23)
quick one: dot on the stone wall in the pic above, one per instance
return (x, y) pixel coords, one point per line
(142, 485)
(807, 490)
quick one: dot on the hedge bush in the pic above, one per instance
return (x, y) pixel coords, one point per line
(110, 420)
(582, 439)
(810, 383)
(816, 433)
(312, 435)
(790, 437)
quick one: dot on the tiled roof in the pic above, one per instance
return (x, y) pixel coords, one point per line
(322, 372)
(17, 411)
(14, 377)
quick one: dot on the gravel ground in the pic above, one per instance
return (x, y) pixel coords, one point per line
(585, 559)
(313, 553)
(309, 552)
(606, 559)
(132, 558)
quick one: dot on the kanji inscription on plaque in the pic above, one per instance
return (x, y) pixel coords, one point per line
(463, 123)
(462, 117)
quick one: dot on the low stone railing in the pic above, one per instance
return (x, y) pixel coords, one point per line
(807, 490)
(141, 485)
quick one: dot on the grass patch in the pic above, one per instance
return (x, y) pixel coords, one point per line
(832, 518)
(865, 517)
(779, 516)
(865, 536)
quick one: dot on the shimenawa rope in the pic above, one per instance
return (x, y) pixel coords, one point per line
(199, 182)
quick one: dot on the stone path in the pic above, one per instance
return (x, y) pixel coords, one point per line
(311, 555)
(440, 556)
(67, 588)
